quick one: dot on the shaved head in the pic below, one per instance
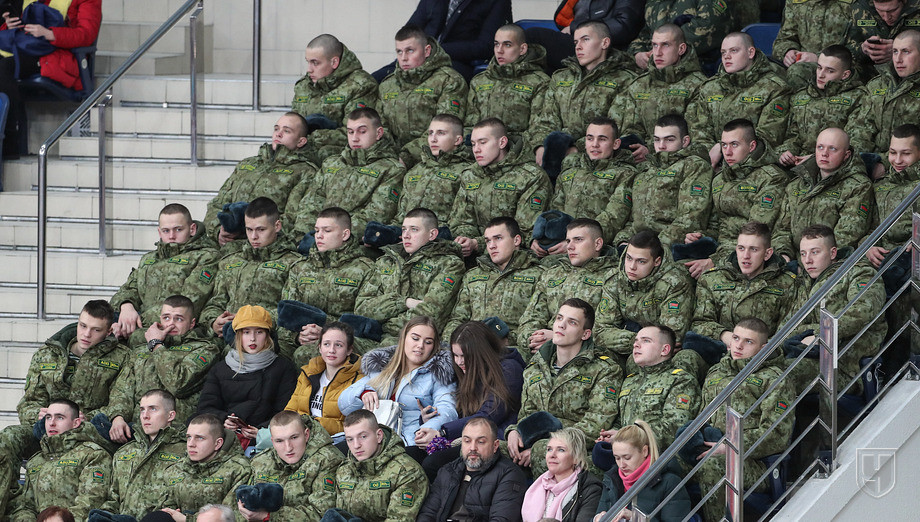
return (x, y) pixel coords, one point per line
(330, 45)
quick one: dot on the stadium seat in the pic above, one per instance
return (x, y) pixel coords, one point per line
(764, 35)
(758, 504)
(39, 88)
(527, 23)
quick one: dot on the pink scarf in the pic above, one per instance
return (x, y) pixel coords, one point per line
(629, 480)
(535, 498)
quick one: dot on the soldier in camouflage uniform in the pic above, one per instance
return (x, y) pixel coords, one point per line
(434, 181)
(893, 97)
(422, 86)
(668, 85)
(596, 184)
(672, 196)
(643, 290)
(748, 187)
(304, 462)
(581, 91)
(832, 96)
(581, 272)
(364, 179)
(834, 192)
(420, 276)
(138, 467)
(872, 27)
(281, 172)
(809, 26)
(175, 358)
(582, 393)
(500, 183)
(329, 278)
(334, 85)
(512, 87)
(705, 24)
(210, 471)
(748, 338)
(257, 273)
(378, 482)
(184, 262)
(747, 86)
(819, 261)
(658, 391)
(80, 363)
(753, 282)
(502, 282)
(72, 470)
(902, 177)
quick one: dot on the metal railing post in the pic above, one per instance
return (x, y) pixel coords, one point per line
(828, 368)
(41, 283)
(103, 126)
(194, 29)
(256, 55)
(734, 464)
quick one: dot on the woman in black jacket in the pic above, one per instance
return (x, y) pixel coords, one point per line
(252, 383)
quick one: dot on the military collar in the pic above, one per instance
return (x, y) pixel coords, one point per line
(662, 367)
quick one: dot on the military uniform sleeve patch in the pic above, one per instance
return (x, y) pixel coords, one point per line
(448, 282)
(536, 202)
(98, 476)
(205, 276)
(863, 210)
(674, 306)
(328, 484)
(781, 406)
(766, 201)
(407, 499)
(778, 108)
(683, 402)
(696, 190)
(610, 392)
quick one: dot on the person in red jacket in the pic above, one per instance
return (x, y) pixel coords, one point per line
(81, 27)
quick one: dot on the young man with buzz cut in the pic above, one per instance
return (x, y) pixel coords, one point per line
(500, 183)
(176, 358)
(420, 276)
(184, 262)
(257, 273)
(281, 172)
(303, 461)
(378, 482)
(363, 180)
(501, 283)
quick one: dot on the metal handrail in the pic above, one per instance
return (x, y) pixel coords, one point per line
(775, 343)
(103, 91)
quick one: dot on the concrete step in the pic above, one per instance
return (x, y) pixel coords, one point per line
(161, 147)
(141, 10)
(170, 55)
(60, 302)
(30, 330)
(219, 89)
(128, 36)
(10, 393)
(138, 237)
(211, 122)
(22, 175)
(85, 205)
(63, 268)
(14, 361)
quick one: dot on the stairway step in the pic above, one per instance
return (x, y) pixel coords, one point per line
(85, 205)
(32, 330)
(120, 35)
(164, 148)
(211, 122)
(61, 268)
(133, 237)
(10, 393)
(219, 89)
(23, 300)
(22, 175)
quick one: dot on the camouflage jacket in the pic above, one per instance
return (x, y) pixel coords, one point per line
(347, 88)
(750, 191)
(329, 281)
(138, 469)
(433, 184)
(663, 395)
(364, 182)
(844, 201)
(889, 192)
(513, 187)
(512, 92)
(88, 383)
(725, 296)
(671, 196)
(759, 94)
(854, 319)
(582, 394)
(281, 175)
(432, 273)
(560, 282)
(576, 96)
(865, 22)
(187, 269)
(387, 487)
(407, 100)
(179, 365)
(309, 485)
(667, 297)
(814, 110)
(190, 485)
(656, 93)
(489, 291)
(599, 189)
(253, 276)
(704, 32)
(760, 421)
(72, 470)
(801, 18)
(891, 101)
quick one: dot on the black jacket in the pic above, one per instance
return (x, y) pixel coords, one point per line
(496, 493)
(583, 505)
(648, 499)
(254, 397)
(469, 34)
(625, 18)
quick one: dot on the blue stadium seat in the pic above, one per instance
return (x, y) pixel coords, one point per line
(758, 504)
(40, 88)
(527, 23)
(764, 35)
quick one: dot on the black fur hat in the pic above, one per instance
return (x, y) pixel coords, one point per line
(294, 315)
(265, 496)
(233, 217)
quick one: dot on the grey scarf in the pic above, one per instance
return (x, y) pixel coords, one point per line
(252, 362)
